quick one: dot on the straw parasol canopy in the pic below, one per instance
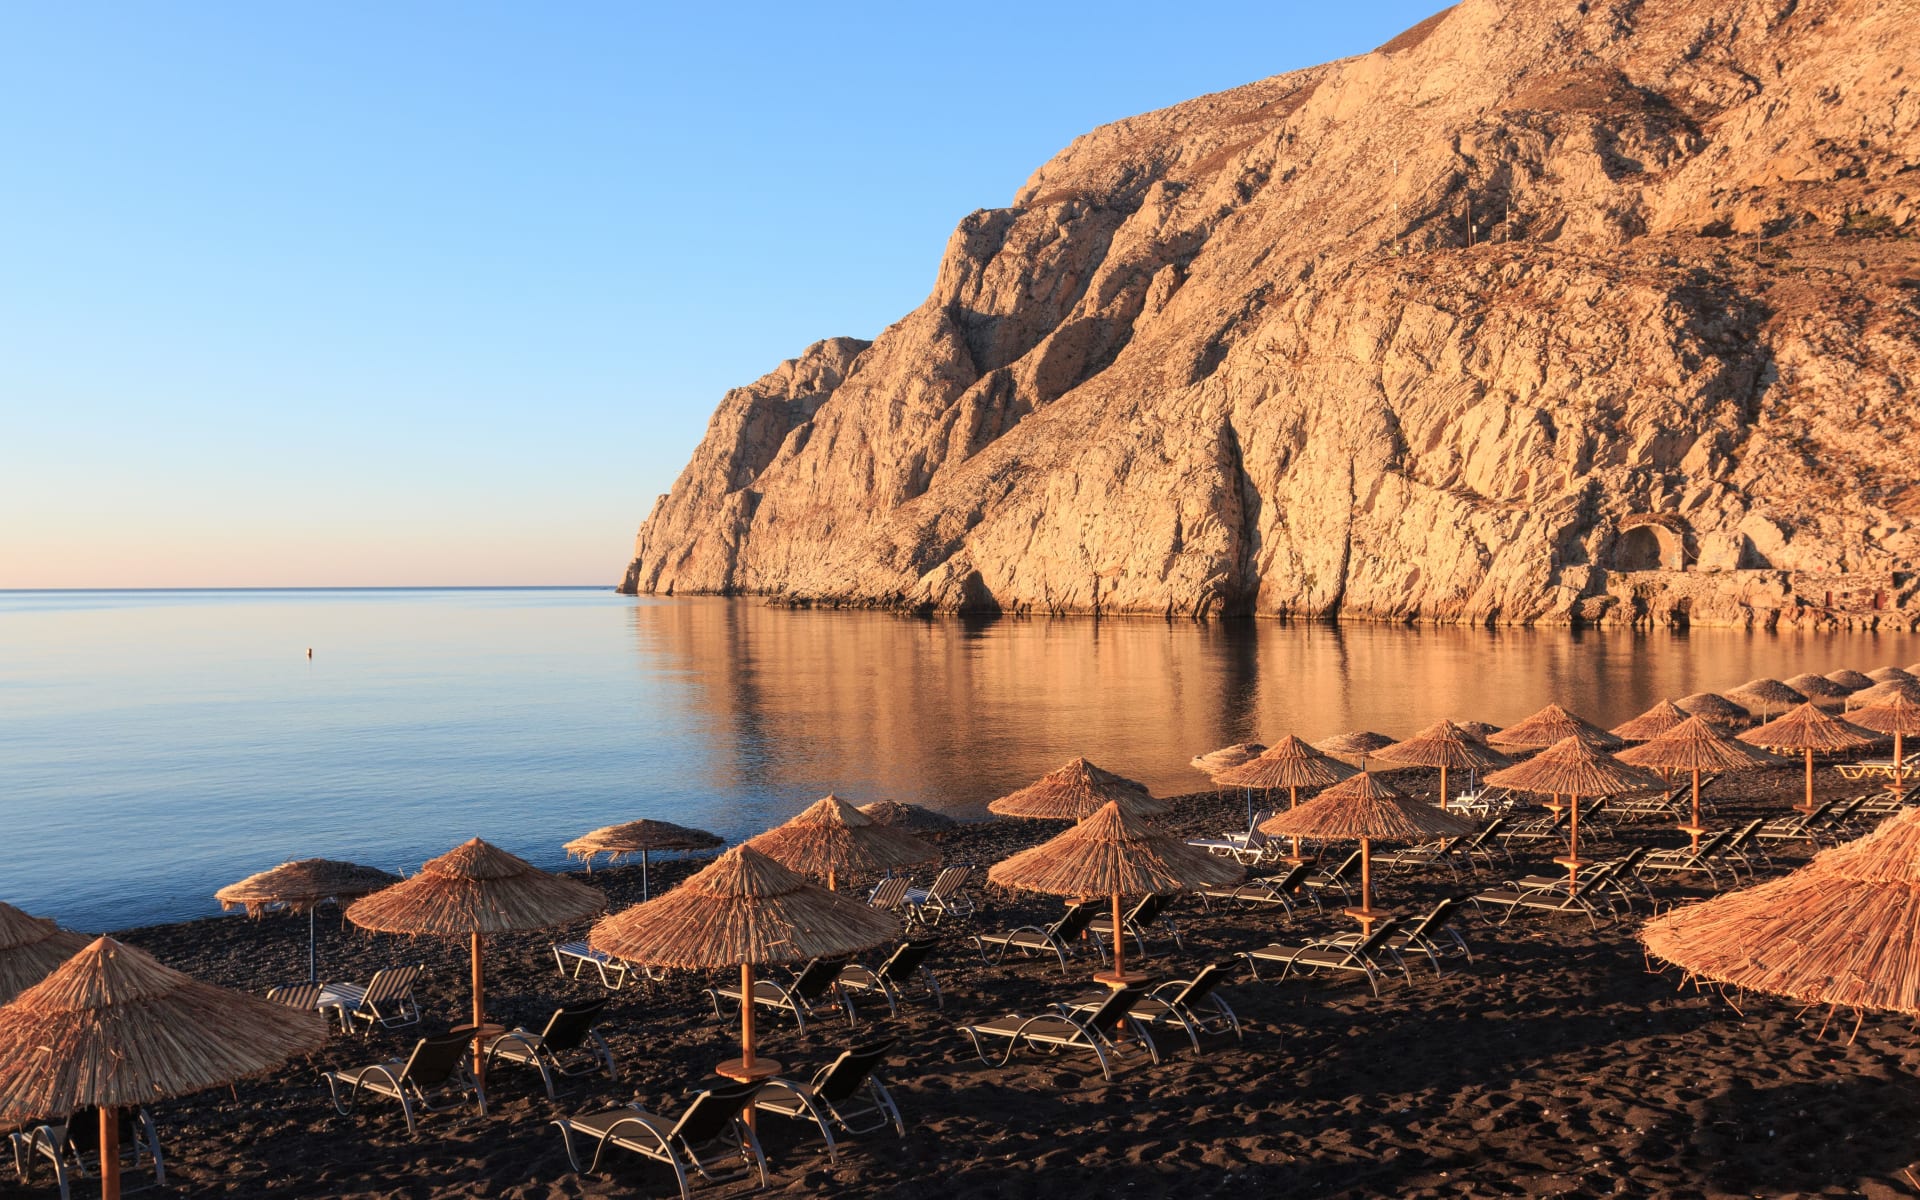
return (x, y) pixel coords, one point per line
(1651, 723)
(1889, 674)
(1819, 689)
(1074, 791)
(1292, 764)
(1838, 931)
(1572, 767)
(115, 1029)
(1356, 746)
(831, 837)
(1849, 679)
(1695, 746)
(1446, 746)
(1226, 757)
(742, 910)
(1714, 709)
(1114, 853)
(1764, 697)
(303, 886)
(1550, 726)
(914, 818)
(1369, 809)
(642, 837)
(1899, 715)
(30, 948)
(476, 889)
(1807, 729)
(1880, 693)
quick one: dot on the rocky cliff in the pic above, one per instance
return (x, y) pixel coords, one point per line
(1544, 311)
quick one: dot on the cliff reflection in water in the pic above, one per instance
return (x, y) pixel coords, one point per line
(952, 712)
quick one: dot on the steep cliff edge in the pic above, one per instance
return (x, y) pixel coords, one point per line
(1543, 312)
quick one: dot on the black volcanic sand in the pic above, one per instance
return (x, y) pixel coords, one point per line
(1555, 1064)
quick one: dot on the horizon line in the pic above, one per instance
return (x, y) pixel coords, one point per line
(326, 587)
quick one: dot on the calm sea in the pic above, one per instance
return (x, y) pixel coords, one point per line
(156, 745)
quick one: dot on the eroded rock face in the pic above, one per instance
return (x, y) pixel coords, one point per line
(1535, 314)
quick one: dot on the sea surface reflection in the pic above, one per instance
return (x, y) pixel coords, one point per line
(156, 745)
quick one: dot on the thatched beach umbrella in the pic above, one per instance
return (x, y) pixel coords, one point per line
(1226, 758)
(743, 910)
(1369, 809)
(1889, 674)
(642, 837)
(1355, 747)
(1574, 768)
(1651, 723)
(1074, 791)
(1839, 931)
(30, 948)
(1764, 697)
(831, 837)
(1445, 745)
(1693, 745)
(1714, 709)
(1290, 764)
(303, 886)
(113, 1029)
(1849, 679)
(1819, 689)
(473, 890)
(1881, 693)
(1898, 716)
(1807, 729)
(1114, 853)
(1551, 726)
(914, 818)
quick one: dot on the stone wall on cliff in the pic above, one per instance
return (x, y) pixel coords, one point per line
(1543, 312)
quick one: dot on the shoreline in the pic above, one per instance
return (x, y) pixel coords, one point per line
(1553, 1064)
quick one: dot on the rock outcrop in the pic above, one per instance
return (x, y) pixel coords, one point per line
(1543, 312)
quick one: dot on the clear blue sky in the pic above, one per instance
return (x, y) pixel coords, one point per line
(445, 293)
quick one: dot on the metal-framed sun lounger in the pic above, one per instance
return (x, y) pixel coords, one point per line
(1029, 940)
(818, 981)
(385, 1002)
(613, 971)
(707, 1140)
(1269, 890)
(437, 1064)
(1054, 1031)
(907, 963)
(849, 1094)
(64, 1144)
(1195, 1005)
(1360, 958)
(557, 1049)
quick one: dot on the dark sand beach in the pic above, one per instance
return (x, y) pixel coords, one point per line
(1555, 1064)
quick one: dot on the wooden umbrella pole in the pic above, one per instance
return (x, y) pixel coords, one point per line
(1899, 766)
(1119, 945)
(313, 965)
(1573, 842)
(746, 1020)
(1809, 805)
(109, 1154)
(830, 883)
(1293, 802)
(1443, 787)
(1695, 831)
(644, 892)
(1366, 887)
(479, 1013)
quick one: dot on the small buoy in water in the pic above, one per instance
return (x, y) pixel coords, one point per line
(309, 651)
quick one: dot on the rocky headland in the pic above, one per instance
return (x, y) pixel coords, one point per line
(1543, 312)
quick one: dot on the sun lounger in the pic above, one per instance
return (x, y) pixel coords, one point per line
(1651, 806)
(1434, 935)
(890, 894)
(1268, 890)
(1149, 914)
(1485, 844)
(1428, 854)
(1588, 899)
(1250, 848)
(849, 1094)
(706, 1141)
(1341, 879)
(386, 1002)
(1685, 860)
(946, 898)
(1329, 954)
(818, 981)
(566, 1039)
(1867, 767)
(1195, 1005)
(1054, 1032)
(1797, 826)
(907, 963)
(1057, 938)
(303, 996)
(436, 1066)
(67, 1144)
(613, 972)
